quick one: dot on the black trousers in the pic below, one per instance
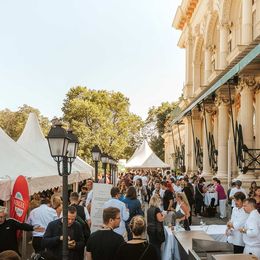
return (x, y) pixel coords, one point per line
(238, 249)
(37, 244)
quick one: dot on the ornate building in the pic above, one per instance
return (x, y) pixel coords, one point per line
(218, 131)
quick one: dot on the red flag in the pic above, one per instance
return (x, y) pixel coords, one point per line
(19, 199)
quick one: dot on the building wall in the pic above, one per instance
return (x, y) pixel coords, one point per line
(214, 33)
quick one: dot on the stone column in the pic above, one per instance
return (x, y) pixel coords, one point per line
(188, 143)
(233, 166)
(208, 56)
(197, 133)
(222, 104)
(189, 52)
(257, 17)
(257, 121)
(223, 45)
(207, 172)
(246, 89)
(247, 29)
(196, 75)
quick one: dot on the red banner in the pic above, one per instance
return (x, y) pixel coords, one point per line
(19, 199)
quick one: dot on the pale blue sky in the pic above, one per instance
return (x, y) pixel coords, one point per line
(48, 46)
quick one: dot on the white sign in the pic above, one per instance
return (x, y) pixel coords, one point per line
(101, 194)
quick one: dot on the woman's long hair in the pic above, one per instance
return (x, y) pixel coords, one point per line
(183, 198)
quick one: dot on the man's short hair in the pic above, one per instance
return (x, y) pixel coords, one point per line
(110, 213)
(251, 201)
(72, 210)
(240, 196)
(74, 195)
(114, 191)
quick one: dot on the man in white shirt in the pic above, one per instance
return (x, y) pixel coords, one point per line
(116, 203)
(41, 216)
(238, 220)
(89, 196)
(234, 190)
(251, 230)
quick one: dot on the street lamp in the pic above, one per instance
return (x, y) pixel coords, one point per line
(63, 148)
(96, 154)
(104, 160)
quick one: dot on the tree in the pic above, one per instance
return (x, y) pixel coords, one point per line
(155, 125)
(13, 122)
(101, 117)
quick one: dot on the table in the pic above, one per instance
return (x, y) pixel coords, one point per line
(170, 248)
(234, 257)
(209, 196)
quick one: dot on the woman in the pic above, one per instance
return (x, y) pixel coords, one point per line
(182, 210)
(9, 255)
(252, 189)
(56, 203)
(140, 190)
(155, 220)
(257, 198)
(138, 247)
(122, 187)
(134, 206)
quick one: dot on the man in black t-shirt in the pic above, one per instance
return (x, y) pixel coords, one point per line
(103, 244)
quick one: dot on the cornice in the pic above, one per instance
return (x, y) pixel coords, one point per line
(184, 13)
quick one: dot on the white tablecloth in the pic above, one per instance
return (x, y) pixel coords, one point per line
(209, 196)
(170, 248)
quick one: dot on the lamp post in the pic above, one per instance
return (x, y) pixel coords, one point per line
(96, 154)
(63, 148)
(104, 160)
(111, 164)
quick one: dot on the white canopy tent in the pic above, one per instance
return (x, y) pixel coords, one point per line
(16, 161)
(30, 156)
(33, 141)
(144, 157)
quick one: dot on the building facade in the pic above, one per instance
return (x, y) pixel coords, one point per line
(218, 131)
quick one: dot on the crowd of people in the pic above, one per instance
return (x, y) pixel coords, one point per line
(141, 203)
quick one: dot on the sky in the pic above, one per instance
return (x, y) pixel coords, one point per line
(48, 46)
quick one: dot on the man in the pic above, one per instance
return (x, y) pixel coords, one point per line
(89, 196)
(52, 239)
(116, 203)
(222, 197)
(104, 243)
(251, 230)
(8, 228)
(238, 220)
(42, 216)
(82, 212)
(234, 190)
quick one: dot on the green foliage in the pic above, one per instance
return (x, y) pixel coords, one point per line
(101, 117)
(13, 122)
(155, 125)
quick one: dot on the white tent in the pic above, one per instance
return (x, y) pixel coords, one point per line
(15, 161)
(144, 157)
(33, 141)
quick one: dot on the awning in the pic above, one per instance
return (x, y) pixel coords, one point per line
(248, 59)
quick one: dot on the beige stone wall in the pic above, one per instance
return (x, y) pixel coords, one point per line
(214, 33)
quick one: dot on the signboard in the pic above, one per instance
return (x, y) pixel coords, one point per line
(101, 194)
(20, 198)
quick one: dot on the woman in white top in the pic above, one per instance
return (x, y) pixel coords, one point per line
(183, 207)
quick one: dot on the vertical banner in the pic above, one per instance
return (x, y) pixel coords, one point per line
(20, 198)
(101, 194)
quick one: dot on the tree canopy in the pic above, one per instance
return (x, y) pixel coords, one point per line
(102, 117)
(13, 122)
(155, 125)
